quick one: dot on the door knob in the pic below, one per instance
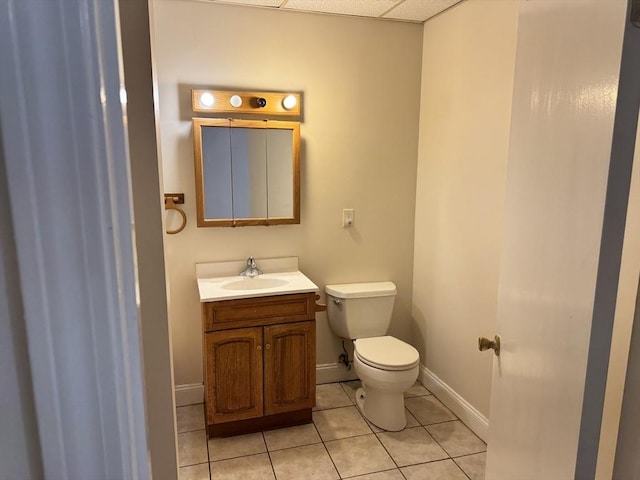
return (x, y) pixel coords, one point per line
(486, 344)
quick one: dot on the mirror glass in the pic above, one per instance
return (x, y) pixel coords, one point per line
(247, 172)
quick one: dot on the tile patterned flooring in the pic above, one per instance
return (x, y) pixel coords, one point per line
(339, 444)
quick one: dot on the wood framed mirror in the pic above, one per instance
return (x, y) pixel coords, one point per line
(247, 172)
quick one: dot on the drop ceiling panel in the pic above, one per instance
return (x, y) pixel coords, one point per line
(256, 3)
(419, 10)
(403, 10)
(371, 8)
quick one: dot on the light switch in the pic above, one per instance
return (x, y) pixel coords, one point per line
(348, 217)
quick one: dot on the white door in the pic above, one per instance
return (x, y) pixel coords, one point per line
(561, 246)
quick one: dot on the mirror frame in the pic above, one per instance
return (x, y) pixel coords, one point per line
(198, 123)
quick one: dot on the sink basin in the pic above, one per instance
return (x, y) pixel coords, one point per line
(219, 281)
(255, 283)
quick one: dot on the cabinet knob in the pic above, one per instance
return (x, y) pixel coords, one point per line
(259, 347)
(267, 346)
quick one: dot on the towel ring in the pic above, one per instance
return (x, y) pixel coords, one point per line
(170, 204)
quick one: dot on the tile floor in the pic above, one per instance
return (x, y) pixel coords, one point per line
(339, 444)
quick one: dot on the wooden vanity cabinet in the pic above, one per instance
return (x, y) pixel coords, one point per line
(259, 363)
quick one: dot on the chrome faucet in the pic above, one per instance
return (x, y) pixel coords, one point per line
(252, 269)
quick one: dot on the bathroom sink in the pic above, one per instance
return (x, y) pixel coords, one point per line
(221, 280)
(254, 283)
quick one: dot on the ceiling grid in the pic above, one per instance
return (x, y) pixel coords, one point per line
(416, 11)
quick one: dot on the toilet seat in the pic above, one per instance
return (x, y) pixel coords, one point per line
(386, 353)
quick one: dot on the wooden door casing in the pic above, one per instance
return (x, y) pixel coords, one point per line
(289, 367)
(234, 374)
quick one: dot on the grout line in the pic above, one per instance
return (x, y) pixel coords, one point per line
(371, 432)
(440, 423)
(296, 446)
(345, 438)
(326, 450)
(269, 456)
(332, 408)
(355, 477)
(461, 469)
(470, 454)
(190, 431)
(388, 452)
(436, 440)
(331, 459)
(206, 438)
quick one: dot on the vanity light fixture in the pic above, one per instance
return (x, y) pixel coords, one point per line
(264, 104)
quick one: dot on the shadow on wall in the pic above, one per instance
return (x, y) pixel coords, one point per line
(418, 332)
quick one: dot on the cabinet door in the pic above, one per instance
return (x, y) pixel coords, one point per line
(234, 374)
(290, 367)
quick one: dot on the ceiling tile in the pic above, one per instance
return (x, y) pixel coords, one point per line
(419, 10)
(370, 8)
(255, 3)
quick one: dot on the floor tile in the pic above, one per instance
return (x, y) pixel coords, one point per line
(428, 410)
(231, 447)
(417, 390)
(331, 395)
(473, 465)
(351, 450)
(190, 418)
(192, 448)
(456, 438)
(411, 446)
(350, 389)
(359, 455)
(386, 475)
(442, 470)
(340, 423)
(291, 437)
(252, 467)
(310, 462)
(411, 422)
(194, 472)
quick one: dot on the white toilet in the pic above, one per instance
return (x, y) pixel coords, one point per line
(386, 366)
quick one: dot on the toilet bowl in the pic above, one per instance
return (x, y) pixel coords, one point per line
(386, 366)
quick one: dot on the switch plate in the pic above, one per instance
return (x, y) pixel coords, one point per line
(348, 217)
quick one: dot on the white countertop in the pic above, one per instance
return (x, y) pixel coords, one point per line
(221, 280)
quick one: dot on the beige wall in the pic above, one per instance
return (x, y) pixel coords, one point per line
(467, 76)
(360, 80)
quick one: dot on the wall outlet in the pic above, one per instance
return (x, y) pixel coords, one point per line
(348, 217)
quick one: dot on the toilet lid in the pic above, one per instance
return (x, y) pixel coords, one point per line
(386, 353)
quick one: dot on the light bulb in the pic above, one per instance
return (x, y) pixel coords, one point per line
(289, 102)
(235, 101)
(123, 96)
(207, 100)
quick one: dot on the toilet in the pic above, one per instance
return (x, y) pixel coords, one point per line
(386, 366)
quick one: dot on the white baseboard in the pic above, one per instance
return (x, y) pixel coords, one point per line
(334, 372)
(193, 393)
(189, 394)
(471, 417)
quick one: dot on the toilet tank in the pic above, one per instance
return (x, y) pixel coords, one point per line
(360, 310)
